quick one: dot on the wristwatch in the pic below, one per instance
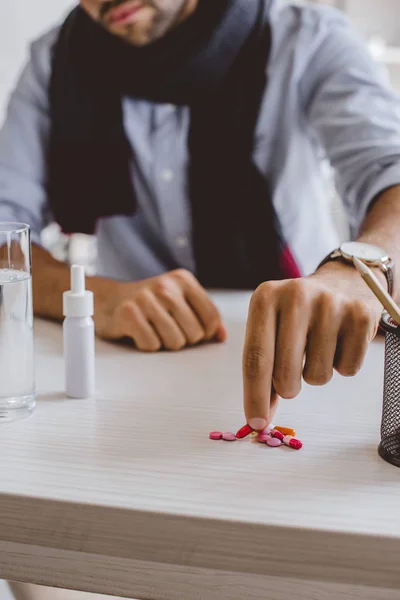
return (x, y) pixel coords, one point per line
(373, 256)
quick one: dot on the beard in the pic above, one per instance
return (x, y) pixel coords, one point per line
(162, 19)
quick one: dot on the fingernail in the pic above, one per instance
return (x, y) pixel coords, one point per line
(257, 424)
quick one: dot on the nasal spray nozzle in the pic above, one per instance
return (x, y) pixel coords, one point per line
(78, 302)
(77, 279)
(79, 343)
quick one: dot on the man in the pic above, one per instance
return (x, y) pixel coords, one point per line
(188, 135)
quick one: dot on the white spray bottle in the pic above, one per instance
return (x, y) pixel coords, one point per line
(79, 337)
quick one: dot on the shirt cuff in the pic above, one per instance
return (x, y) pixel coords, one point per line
(10, 213)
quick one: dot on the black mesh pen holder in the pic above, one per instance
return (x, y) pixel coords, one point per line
(389, 448)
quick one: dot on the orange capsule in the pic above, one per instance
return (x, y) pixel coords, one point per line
(286, 430)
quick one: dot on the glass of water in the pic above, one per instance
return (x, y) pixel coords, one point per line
(17, 378)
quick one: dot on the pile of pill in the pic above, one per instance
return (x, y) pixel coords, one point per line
(273, 436)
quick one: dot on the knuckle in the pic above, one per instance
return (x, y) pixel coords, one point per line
(150, 347)
(317, 377)
(364, 323)
(362, 316)
(297, 289)
(183, 275)
(348, 369)
(262, 294)
(176, 345)
(254, 362)
(147, 342)
(359, 306)
(196, 338)
(164, 288)
(294, 293)
(143, 297)
(127, 310)
(325, 296)
(155, 347)
(328, 302)
(285, 388)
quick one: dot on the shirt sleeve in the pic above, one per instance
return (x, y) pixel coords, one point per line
(355, 115)
(23, 144)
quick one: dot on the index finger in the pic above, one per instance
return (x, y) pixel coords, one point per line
(258, 360)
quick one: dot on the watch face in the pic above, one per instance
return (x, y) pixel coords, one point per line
(365, 252)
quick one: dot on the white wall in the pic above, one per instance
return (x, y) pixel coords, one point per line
(376, 17)
(23, 20)
(20, 22)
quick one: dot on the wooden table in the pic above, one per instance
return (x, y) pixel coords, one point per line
(126, 495)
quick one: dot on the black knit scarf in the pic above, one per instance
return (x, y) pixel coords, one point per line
(214, 63)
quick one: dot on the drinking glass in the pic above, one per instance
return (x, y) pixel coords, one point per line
(17, 378)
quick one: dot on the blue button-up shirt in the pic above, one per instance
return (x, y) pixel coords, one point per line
(326, 99)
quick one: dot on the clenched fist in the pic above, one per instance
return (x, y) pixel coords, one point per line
(170, 311)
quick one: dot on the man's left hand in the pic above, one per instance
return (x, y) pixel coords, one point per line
(305, 328)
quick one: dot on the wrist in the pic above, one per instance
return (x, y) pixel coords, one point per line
(343, 278)
(107, 294)
(375, 257)
(334, 270)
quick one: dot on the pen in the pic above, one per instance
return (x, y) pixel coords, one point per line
(374, 285)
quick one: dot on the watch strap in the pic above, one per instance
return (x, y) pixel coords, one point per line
(335, 255)
(388, 270)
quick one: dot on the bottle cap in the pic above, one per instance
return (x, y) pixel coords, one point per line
(78, 302)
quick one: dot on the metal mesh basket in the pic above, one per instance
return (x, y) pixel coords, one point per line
(389, 448)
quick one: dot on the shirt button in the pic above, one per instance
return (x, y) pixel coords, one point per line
(181, 241)
(170, 107)
(167, 175)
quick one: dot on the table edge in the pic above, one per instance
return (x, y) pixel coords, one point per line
(200, 542)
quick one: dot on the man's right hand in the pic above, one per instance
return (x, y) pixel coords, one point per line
(169, 311)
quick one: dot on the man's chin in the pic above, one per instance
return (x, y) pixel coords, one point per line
(129, 36)
(132, 34)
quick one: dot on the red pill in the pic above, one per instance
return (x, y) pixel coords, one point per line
(215, 435)
(290, 441)
(244, 432)
(296, 444)
(277, 434)
(229, 437)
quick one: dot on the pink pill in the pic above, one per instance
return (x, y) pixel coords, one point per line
(229, 437)
(266, 431)
(215, 435)
(274, 442)
(263, 438)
